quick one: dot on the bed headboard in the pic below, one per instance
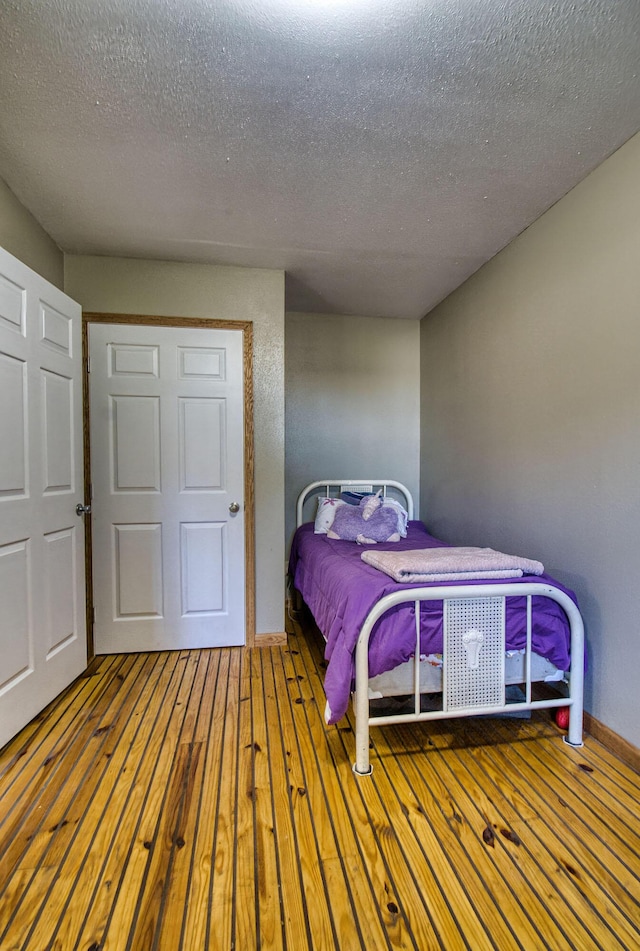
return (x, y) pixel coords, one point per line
(333, 487)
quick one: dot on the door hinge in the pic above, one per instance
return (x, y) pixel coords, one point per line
(88, 364)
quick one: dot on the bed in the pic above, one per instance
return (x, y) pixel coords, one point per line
(388, 639)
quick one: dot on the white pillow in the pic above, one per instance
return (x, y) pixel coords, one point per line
(403, 516)
(325, 514)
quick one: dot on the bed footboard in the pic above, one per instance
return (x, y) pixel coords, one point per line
(474, 636)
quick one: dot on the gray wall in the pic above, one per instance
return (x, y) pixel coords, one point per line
(118, 285)
(352, 401)
(530, 415)
(22, 236)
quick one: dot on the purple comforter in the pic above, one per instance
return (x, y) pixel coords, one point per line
(340, 590)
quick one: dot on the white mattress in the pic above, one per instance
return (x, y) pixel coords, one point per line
(399, 681)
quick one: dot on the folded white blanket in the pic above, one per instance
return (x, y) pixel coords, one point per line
(450, 564)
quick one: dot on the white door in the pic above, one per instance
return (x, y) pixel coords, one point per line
(42, 587)
(167, 472)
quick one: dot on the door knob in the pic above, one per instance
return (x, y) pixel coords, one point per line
(83, 509)
(234, 507)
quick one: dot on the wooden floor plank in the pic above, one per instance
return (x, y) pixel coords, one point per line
(285, 769)
(459, 828)
(355, 923)
(402, 875)
(537, 870)
(167, 839)
(177, 880)
(534, 871)
(245, 928)
(386, 902)
(603, 892)
(112, 852)
(197, 800)
(197, 914)
(605, 813)
(80, 787)
(548, 875)
(337, 779)
(222, 882)
(428, 900)
(42, 744)
(620, 776)
(267, 871)
(82, 853)
(396, 796)
(72, 897)
(43, 819)
(49, 725)
(292, 727)
(610, 807)
(138, 892)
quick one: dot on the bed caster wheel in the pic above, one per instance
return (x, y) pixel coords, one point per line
(562, 717)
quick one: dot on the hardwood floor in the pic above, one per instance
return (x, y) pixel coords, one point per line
(197, 801)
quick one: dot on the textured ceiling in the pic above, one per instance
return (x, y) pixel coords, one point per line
(379, 151)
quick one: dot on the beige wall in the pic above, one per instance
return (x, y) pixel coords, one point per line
(530, 415)
(352, 401)
(22, 236)
(117, 285)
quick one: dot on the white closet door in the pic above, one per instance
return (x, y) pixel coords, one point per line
(167, 461)
(42, 587)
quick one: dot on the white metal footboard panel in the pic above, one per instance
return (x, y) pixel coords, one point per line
(473, 654)
(470, 621)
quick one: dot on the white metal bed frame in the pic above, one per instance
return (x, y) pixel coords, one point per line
(463, 605)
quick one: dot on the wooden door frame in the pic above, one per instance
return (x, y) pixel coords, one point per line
(205, 323)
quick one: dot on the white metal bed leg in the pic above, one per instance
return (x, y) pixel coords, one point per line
(362, 766)
(576, 679)
(574, 734)
(359, 772)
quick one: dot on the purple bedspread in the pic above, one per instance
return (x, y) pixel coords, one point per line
(340, 589)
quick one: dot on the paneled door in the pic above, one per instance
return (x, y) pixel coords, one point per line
(42, 577)
(167, 472)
